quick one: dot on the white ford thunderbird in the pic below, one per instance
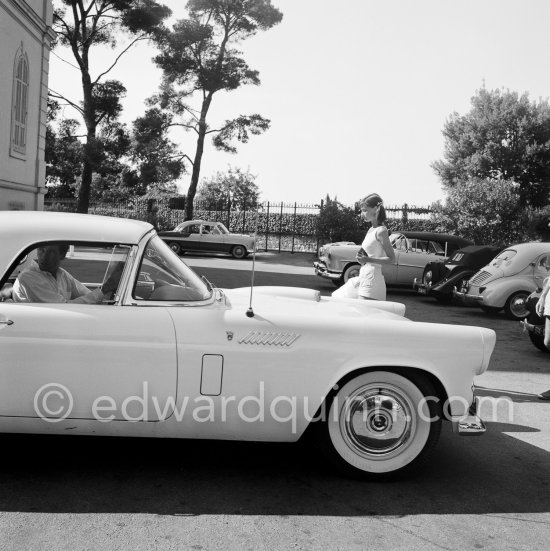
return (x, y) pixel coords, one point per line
(147, 348)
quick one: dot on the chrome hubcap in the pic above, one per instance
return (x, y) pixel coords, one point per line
(378, 421)
(518, 307)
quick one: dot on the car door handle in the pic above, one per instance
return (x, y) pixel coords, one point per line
(7, 322)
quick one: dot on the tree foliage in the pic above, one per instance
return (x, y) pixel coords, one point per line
(235, 188)
(82, 25)
(198, 59)
(158, 161)
(63, 154)
(504, 135)
(339, 223)
(487, 211)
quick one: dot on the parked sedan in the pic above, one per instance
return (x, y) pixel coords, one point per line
(202, 236)
(507, 281)
(413, 250)
(440, 278)
(165, 354)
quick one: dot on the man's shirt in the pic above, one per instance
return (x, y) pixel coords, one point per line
(36, 285)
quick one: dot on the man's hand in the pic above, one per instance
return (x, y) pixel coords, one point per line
(111, 282)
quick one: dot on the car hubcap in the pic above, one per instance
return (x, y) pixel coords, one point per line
(378, 421)
(518, 307)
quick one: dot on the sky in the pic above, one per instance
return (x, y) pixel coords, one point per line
(357, 91)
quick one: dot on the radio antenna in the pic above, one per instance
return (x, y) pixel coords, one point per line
(250, 311)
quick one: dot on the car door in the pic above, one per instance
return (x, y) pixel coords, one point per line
(112, 356)
(210, 238)
(413, 260)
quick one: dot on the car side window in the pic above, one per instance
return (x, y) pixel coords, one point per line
(435, 248)
(419, 245)
(206, 229)
(61, 272)
(544, 262)
(193, 229)
(400, 244)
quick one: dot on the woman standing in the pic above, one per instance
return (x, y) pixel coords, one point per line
(376, 249)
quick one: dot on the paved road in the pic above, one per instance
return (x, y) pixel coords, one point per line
(488, 493)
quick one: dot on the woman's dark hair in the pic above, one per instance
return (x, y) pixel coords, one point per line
(374, 200)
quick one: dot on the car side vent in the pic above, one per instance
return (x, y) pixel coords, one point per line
(480, 277)
(269, 338)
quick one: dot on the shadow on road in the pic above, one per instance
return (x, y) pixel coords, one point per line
(495, 474)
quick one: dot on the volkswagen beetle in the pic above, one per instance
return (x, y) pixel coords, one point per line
(165, 354)
(507, 281)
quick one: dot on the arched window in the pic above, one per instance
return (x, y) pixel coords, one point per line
(20, 102)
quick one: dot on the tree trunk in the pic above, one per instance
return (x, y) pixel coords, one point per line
(89, 148)
(197, 161)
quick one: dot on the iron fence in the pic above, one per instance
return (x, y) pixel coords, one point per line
(279, 226)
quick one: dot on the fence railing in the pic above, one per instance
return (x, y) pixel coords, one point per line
(278, 226)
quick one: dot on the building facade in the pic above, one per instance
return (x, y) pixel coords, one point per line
(25, 41)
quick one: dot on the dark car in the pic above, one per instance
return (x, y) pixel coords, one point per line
(533, 323)
(441, 277)
(211, 237)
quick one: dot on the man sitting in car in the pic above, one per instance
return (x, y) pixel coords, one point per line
(46, 281)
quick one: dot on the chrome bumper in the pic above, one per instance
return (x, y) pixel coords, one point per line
(466, 298)
(321, 270)
(471, 424)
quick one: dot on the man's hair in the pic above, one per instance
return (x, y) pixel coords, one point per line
(63, 249)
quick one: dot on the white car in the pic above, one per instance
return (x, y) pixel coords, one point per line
(168, 355)
(508, 280)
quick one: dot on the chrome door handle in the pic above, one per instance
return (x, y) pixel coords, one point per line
(7, 322)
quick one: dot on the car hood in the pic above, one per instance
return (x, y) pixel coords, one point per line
(304, 303)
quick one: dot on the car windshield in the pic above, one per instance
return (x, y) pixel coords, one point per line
(163, 276)
(222, 228)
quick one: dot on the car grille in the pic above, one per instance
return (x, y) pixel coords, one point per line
(480, 277)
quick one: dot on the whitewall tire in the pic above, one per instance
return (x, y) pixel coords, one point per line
(382, 424)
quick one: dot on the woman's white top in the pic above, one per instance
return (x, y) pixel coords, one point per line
(371, 245)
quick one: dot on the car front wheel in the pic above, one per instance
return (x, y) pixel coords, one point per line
(351, 271)
(516, 306)
(381, 424)
(238, 251)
